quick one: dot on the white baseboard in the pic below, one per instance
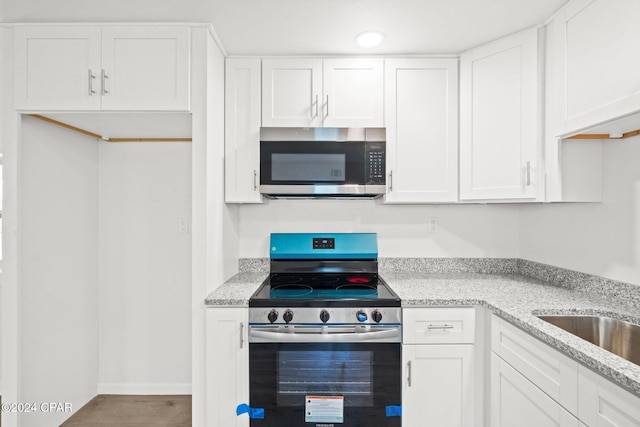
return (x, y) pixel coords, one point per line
(120, 388)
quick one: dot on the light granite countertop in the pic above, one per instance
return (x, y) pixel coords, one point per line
(515, 297)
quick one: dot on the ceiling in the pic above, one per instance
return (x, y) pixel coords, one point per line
(311, 27)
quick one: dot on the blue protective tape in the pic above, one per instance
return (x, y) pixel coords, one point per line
(257, 413)
(394, 411)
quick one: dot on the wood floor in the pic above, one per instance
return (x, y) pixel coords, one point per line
(108, 410)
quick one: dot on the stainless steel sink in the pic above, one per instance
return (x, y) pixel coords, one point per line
(617, 336)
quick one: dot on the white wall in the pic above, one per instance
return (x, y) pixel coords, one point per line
(145, 267)
(599, 238)
(465, 230)
(58, 287)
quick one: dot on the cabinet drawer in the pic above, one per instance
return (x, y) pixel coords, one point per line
(551, 371)
(438, 325)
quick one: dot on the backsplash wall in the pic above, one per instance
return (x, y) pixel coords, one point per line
(463, 230)
(602, 239)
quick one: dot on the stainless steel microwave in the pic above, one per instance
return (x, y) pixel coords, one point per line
(322, 162)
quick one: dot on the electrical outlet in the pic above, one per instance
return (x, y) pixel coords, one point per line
(184, 225)
(433, 225)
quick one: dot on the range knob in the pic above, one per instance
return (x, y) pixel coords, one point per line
(287, 316)
(376, 316)
(272, 316)
(324, 316)
(361, 316)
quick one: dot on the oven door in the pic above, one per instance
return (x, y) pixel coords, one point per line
(324, 383)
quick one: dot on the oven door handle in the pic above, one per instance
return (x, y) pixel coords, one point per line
(340, 334)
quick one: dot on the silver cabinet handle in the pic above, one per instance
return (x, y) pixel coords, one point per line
(409, 373)
(241, 334)
(91, 77)
(528, 174)
(390, 180)
(440, 327)
(316, 114)
(255, 180)
(327, 107)
(104, 77)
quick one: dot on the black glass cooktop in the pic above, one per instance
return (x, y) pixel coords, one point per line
(309, 290)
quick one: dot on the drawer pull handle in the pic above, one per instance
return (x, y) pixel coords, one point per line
(409, 373)
(439, 327)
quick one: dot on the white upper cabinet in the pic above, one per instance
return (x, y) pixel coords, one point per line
(242, 131)
(291, 92)
(305, 92)
(421, 111)
(57, 67)
(353, 92)
(595, 63)
(145, 68)
(60, 67)
(499, 120)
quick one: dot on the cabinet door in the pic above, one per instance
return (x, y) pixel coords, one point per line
(499, 119)
(422, 130)
(552, 372)
(605, 404)
(57, 67)
(145, 68)
(292, 92)
(515, 401)
(438, 386)
(242, 131)
(227, 366)
(597, 70)
(353, 94)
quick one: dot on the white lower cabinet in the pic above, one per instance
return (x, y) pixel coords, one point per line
(552, 372)
(604, 404)
(534, 385)
(438, 386)
(227, 366)
(516, 401)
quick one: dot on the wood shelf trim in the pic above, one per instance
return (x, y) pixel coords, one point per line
(96, 136)
(604, 135)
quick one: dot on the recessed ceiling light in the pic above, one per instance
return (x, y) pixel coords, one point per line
(369, 38)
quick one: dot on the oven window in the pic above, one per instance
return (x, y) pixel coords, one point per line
(308, 167)
(341, 373)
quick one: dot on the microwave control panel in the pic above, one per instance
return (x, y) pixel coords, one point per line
(375, 154)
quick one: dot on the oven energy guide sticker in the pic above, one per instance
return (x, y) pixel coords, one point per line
(324, 409)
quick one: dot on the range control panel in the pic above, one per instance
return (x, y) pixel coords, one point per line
(324, 243)
(329, 315)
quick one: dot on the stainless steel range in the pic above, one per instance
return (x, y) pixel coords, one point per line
(324, 335)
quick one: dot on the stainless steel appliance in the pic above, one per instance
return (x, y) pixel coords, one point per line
(322, 162)
(324, 336)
